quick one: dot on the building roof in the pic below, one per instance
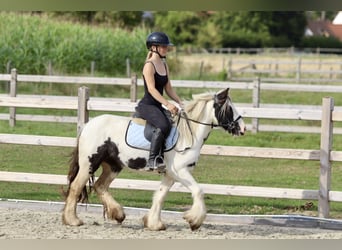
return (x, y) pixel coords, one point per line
(338, 18)
(325, 28)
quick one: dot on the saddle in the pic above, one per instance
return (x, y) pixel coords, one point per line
(139, 134)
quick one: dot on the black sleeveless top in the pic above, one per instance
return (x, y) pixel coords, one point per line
(160, 82)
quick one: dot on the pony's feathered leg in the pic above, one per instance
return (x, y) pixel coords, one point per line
(77, 185)
(152, 219)
(196, 215)
(112, 208)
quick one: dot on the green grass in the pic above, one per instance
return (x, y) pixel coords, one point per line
(210, 169)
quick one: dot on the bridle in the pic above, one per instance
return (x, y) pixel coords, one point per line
(182, 114)
(230, 125)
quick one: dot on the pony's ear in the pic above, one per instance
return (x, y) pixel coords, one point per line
(221, 96)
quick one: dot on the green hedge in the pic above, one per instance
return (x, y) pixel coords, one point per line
(321, 42)
(29, 43)
(242, 40)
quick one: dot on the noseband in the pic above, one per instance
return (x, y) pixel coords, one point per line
(232, 125)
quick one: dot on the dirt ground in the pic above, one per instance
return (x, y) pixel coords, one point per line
(23, 222)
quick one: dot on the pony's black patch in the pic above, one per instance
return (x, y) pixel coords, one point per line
(191, 164)
(109, 153)
(137, 163)
(221, 97)
(224, 113)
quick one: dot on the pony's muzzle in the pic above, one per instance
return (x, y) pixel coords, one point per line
(243, 130)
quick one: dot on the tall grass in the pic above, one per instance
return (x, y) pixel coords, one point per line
(29, 43)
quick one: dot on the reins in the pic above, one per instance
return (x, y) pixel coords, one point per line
(184, 116)
(231, 125)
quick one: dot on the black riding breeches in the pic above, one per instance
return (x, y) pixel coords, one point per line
(155, 117)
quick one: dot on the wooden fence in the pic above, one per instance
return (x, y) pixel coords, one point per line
(296, 69)
(287, 50)
(256, 86)
(84, 103)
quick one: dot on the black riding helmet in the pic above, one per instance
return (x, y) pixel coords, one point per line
(157, 38)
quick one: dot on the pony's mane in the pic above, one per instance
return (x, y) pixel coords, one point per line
(195, 107)
(194, 110)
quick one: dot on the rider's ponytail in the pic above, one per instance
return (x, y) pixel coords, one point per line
(149, 55)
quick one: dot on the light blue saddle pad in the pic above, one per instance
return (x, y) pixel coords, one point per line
(135, 137)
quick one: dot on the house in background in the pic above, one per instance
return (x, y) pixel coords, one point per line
(326, 28)
(338, 19)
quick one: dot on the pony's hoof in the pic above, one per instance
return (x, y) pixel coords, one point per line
(120, 219)
(159, 227)
(74, 222)
(115, 214)
(194, 224)
(194, 227)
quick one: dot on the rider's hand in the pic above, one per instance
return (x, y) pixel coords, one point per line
(172, 108)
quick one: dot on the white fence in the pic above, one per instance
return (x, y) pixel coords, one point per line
(296, 69)
(287, 50)
(255, 86)
(83, 104)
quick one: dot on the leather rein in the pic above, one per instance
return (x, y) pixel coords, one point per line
(230, 125)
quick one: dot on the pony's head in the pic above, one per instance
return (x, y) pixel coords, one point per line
(226, 114)
(205, 111)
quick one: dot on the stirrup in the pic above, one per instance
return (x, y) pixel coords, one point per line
(159, 166)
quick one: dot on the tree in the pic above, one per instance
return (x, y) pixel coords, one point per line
(181, 26)
(210, 28)
(241, 29)
(209, 36)
(290, 24)
(259, 28)
(80, 16)
(120, 19)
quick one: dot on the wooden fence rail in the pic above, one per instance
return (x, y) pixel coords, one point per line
(295, 69)
(324, 155)
(288, 50)
(255, 86)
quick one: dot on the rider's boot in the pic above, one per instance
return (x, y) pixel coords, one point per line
(156, 160)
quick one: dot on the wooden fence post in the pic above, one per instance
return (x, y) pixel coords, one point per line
(330, 73)
(299, 66)
(325, 163)
(128, 67)
(8, 67)
(82, 110)
(134, 88)
(13, 93)
(8, 71)
(256, 104)
(229, 70)
(49, 69)
(92, 68)
(50, 73)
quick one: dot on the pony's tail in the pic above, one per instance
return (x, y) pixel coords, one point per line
(73, 171)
